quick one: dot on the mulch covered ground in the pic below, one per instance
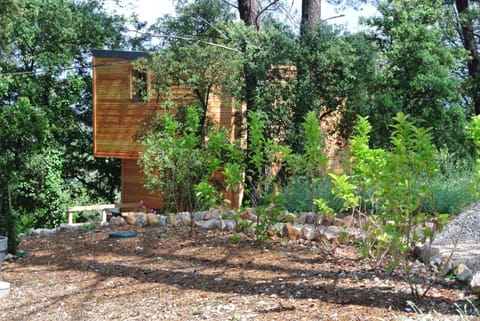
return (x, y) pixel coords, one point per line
(165, 274)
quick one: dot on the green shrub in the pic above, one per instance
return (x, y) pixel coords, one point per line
(451, 188)
(297, 194)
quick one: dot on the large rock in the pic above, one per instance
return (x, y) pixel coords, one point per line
(199, 216)
(43, 232)
(291, 231)
(463, 273)
(162, 220)
(141, 220)
(183, 219)
(332, 234)
(308, 218)
(213, 214)
(210, 224)
(117, 221)
(309, 232)
(277, 229)
(130, 218)
(475, 283)
(228, 225)
(153, 219)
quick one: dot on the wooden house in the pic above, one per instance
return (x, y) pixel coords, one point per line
(119, 111)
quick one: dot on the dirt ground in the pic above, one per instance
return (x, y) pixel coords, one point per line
(164, 274)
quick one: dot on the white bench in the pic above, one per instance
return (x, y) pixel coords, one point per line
(102, 208)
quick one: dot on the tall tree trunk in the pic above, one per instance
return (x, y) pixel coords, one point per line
(311, 15)
(471, 45)
(249, 11)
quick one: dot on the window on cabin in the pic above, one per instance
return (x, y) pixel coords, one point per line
(138, 85)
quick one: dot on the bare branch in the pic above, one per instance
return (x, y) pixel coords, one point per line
(334, 17)
(198, 41)
(274, 2)
(216, 29)
(257, 22)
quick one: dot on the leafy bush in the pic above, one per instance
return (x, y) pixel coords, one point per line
(397, 183)
(180, 162)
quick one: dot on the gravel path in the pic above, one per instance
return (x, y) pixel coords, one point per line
(464, 231)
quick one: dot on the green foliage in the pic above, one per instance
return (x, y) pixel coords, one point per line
(198, 55)
(23, 131)
(206, 195)
(474, 135)
(450, 188)
(396, 183)
(180, 164)
(297, 194)
(265, 159)
(46, 50)
(343, 189)
(415, 72)
(335, 72)
(405, 186)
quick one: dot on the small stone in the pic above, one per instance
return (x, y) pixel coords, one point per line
(141, 220)
(138, 249)
(475, 283)
(463, 273)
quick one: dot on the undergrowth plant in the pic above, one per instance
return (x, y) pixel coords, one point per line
(392, 187)
(180, 163)
(313, 162)
(266, 158)
(474, 135)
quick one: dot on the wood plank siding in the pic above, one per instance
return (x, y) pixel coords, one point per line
(132, 186)
(118, 115)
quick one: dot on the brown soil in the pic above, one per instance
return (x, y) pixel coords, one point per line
(164, 274)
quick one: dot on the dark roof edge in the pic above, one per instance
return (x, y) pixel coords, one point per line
(119, 54)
